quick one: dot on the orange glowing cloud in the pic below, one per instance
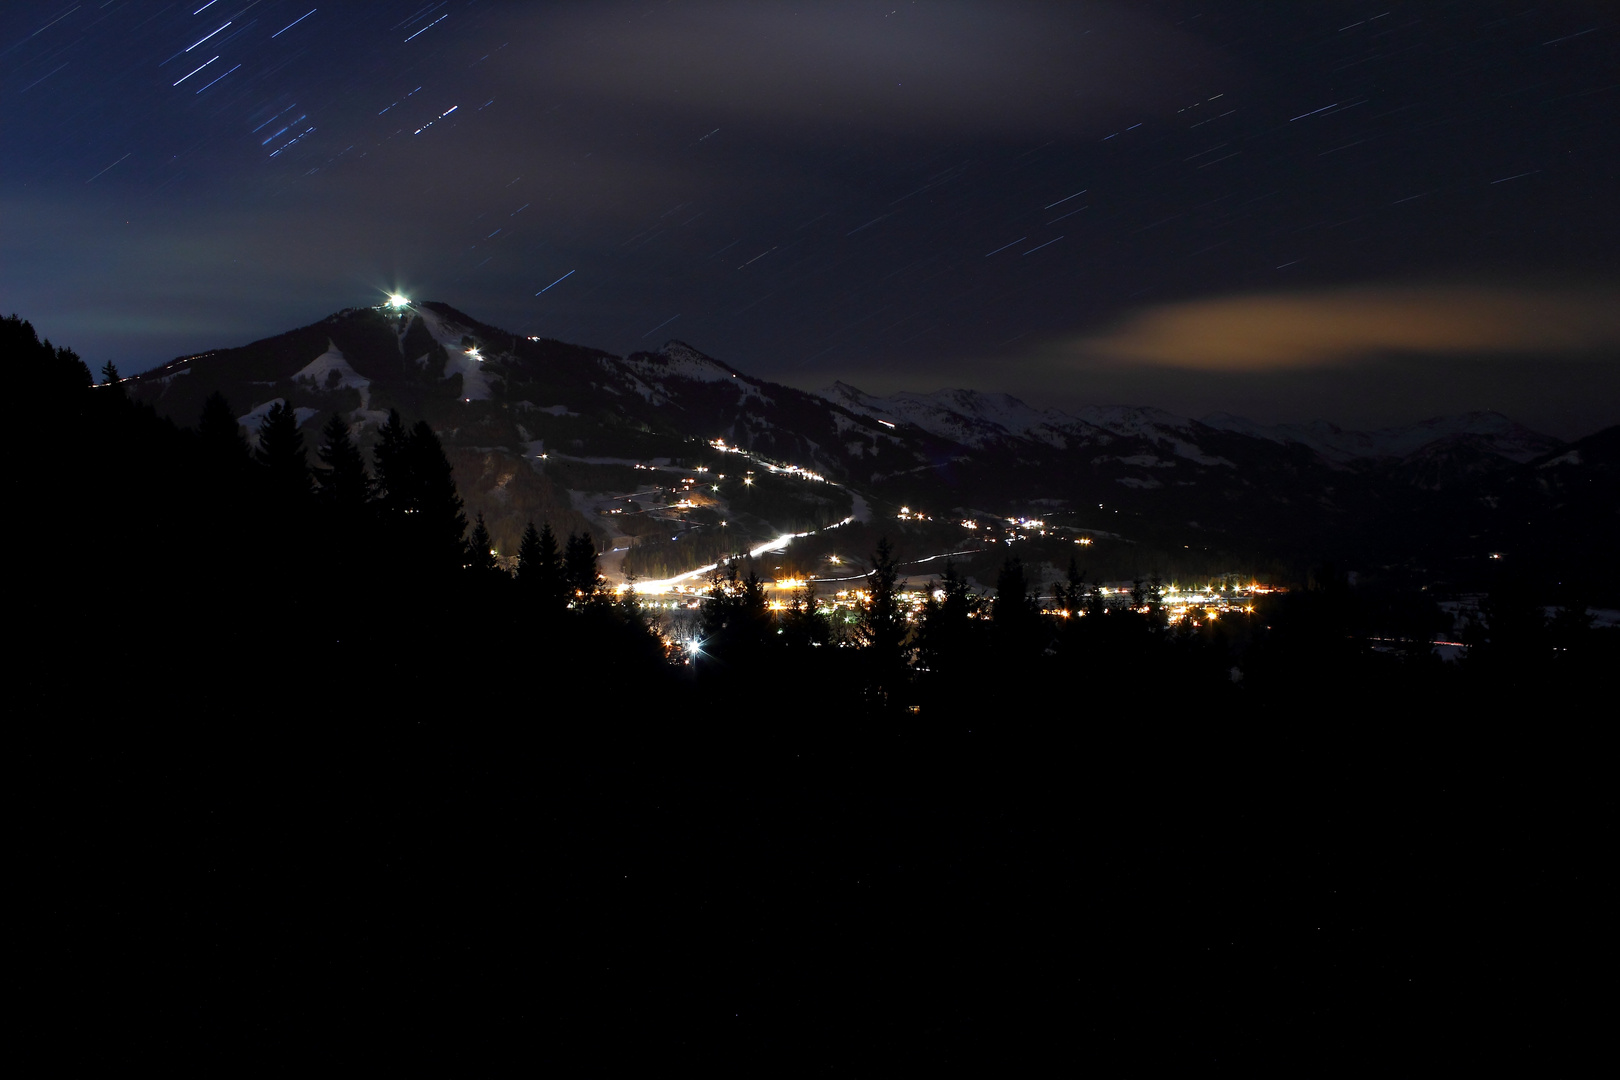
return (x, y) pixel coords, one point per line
(1277, 331)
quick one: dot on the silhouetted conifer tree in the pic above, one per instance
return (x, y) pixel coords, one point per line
(437, 512)
(802, 625)
(540, 568)
(945, 638)
(1014, 614)
(341, 476)
(392, 466)
(736, 622)
(52, 376)
(480, 553)
(1078, 603)
(580, 571)
(281, 450)
(221, 435)
(754, 623)
(630, 607)
(1072, 595)
(528, 554)
(883, 629)
(722, 598)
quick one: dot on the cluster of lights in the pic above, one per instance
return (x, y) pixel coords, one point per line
(908, 514)
(795, 470)
(1209, 602)
(785, 470)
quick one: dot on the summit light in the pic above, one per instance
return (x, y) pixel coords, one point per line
(397, 301)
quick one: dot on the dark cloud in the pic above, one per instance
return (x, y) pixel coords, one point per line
(996, 70)
(1055, 199)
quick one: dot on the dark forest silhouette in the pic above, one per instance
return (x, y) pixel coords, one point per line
(288, 726)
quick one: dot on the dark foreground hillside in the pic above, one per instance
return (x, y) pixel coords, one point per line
(290, 781)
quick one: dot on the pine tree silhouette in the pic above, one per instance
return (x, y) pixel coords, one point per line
(480, 553)
(49, 375)
(1072, 595)
(221, 435)
(883, 629)
(438, 517)
(540, 568)
(392, 465)
(735, 622)
(341, 476)
(580, 571)
(801, 623)
(281, 450)
(1015, 615)
(529, 554)
(947, 629)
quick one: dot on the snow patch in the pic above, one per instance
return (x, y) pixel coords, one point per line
(859, 508)
(475, 381)
(319, 372)
(256, 417)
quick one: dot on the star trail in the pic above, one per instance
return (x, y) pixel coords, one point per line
(900, 196)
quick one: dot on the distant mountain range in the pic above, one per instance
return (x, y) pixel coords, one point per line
(1443, 494)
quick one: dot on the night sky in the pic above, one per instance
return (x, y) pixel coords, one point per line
(1365, 212)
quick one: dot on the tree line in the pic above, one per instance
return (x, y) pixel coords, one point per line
(235, 556)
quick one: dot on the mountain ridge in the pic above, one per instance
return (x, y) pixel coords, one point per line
(502, 403)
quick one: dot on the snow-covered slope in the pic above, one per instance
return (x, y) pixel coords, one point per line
(679, 361)
(1495, 432)
(256, 415)
(468, 363)
(320, 371)
(977, 419)
(967, 417)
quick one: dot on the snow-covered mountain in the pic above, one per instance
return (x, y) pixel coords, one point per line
(1490, 431)
(978, 419)
(501, 401)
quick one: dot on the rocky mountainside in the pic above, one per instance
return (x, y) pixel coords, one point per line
(534, 426)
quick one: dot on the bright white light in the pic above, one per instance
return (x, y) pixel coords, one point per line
(395, 300)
